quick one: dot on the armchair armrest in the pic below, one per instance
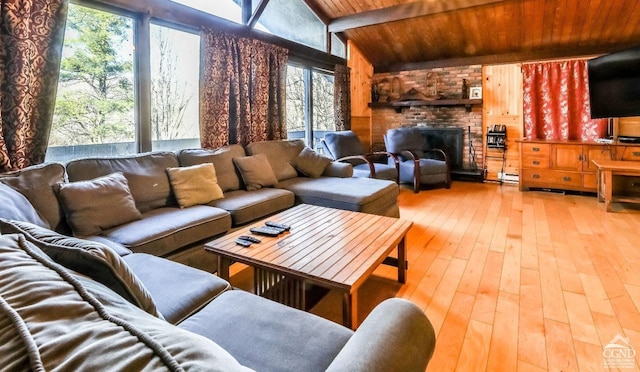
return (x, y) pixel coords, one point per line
(440, 153)
(396, 336)
(364, 159)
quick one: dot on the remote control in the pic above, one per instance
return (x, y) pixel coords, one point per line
(265, 231)
(250, 238)
(278, 225)
(242, 242)
(277, 229)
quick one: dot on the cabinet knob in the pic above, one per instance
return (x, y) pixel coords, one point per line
(536, 176)
(580, 158)
(535, 149)
(535, 162)
(636, 153)
(566, 178)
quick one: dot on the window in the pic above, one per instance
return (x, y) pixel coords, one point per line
(175, 66)
(310, 108)
(337, 47)
(94, 112)
(293, 20)
(227, 9)
(323, 119)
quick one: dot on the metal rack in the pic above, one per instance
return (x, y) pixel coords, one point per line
(497, 141)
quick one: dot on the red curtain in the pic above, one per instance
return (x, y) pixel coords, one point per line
(556, 102)
(31, 36)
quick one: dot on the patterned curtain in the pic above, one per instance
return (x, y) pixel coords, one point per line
(556, 102)
(31, 37)
(268, 99)
(224, 88)
(342, 97)
(242, 96)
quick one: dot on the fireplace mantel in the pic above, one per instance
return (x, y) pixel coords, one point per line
(399, 105)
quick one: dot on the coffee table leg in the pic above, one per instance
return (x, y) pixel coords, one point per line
(402, 261)
(350, 310)
(223, 267)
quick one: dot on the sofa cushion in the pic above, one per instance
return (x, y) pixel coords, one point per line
(256, 171)
(52, 319)
(310, 163)
(146, 174)
(98, 204)
(164, 230)
(222, 160)
(267, 336)
(193, 185)
(246, 206)
(88, 258)
(354, 194)
(36, 183)
(281, 154)
(16, 207)
(177, 290)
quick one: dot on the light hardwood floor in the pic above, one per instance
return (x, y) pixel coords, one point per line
(515, 281)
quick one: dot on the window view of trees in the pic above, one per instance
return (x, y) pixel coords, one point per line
(323, 106)
(299, 83)
(174, 88)
(95, 94)
(296, 89)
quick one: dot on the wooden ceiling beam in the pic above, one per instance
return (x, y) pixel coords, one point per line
(516, 57)
(402, 12)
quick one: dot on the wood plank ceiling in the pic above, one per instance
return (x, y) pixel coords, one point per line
(408, 34)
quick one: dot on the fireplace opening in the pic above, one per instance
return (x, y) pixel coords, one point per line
(451, 141)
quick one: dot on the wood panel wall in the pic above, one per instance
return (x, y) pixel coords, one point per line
(502, 104)
(361, 74)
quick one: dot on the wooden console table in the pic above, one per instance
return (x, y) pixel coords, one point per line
(611, 191)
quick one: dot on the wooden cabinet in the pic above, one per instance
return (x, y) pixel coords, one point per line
(564, 165)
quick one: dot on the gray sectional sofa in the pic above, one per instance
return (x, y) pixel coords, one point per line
(111, 299)
(167, 230)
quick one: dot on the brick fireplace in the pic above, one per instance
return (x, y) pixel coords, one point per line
(449, 86)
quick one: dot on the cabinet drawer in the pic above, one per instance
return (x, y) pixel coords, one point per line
(535, 162)
(535, 149)
(590, 181)
(548, 178)
(629, 153)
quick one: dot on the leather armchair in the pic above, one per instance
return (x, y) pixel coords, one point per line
(345, 146)
(417, 165)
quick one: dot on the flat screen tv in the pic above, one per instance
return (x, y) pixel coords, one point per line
(614, 84)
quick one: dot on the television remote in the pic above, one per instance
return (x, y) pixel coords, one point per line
(265, 231)
(242, 242)
(250, 238)
(278, 225)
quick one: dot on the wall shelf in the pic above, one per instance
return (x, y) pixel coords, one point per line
(399, 105)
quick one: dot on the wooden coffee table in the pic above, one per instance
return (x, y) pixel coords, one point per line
(331, 248)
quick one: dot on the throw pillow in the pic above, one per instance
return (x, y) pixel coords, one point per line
(98, 204)
(15, 206)
(194, 185)
(86, 257)
(256, 171)
(310, 163)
